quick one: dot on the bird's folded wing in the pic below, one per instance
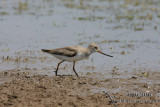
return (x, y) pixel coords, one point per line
(67, 51)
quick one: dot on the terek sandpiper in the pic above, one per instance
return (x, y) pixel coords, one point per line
(73, 54)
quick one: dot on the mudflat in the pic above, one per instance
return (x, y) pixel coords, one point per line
(26, 89)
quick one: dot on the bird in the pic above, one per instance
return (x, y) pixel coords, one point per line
(73, 54)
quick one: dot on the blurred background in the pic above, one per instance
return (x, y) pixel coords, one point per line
(127, 29)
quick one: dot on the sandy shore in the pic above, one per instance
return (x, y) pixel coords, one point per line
(19, 89)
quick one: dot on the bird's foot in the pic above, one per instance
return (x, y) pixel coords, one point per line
(55, 73)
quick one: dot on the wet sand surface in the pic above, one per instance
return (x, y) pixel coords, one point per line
(34, 90)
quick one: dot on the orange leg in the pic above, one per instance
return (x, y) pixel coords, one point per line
(58, 67)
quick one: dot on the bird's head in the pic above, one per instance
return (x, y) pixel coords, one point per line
(95, 48)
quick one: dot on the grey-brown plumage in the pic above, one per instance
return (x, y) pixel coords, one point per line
(66, 51)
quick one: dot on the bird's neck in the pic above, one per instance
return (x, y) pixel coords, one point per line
(89, 52)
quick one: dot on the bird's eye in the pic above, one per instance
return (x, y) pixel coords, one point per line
(95, 47)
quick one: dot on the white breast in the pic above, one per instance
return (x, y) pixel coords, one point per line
(77, 57)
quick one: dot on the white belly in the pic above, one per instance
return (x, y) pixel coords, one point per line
(72, 59)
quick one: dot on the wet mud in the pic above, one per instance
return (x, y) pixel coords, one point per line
(35, 90)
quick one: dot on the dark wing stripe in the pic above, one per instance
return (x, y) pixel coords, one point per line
(65, 52)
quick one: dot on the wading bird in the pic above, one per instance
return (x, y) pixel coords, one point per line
(73, 54)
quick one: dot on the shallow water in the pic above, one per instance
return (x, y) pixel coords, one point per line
(127, 30)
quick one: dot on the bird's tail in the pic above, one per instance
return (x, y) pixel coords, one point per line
(45, 50)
